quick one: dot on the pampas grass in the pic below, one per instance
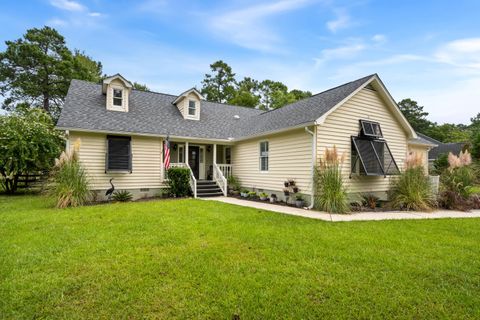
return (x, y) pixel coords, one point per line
(69, 180)
(330, 192)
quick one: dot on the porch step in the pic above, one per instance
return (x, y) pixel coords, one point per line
(207, 188)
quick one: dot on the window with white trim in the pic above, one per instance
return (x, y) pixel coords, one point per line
(117, 97)
(181, 154)
(264, 156)
(192, 107)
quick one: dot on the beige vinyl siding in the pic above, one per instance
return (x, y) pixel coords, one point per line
(147, 168)
(290, 156)
(423, 150)
(341, 124)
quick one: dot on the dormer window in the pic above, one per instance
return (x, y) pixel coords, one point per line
(117, 90)
(117, 97)
(189, 104)
(192, 107)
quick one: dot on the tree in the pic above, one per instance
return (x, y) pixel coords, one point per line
(246, 94)
(28, 143)
(85, 68)
(415, 115)
(448, 132)
(220, 86)
(141, 87)
(270, 92)
(475, 141)
(38, 68)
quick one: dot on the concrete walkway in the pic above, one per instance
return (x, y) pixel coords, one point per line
(356, 216)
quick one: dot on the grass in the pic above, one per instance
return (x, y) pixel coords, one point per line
(198, 259)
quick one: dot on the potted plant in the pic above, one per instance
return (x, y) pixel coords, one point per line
(273, 198)
(286, 184)
(263, 196)
(252, 195)
(244, 193)
(299, 202)
(286, 192)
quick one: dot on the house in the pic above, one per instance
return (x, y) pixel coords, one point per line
(441, 147)
(122, 133)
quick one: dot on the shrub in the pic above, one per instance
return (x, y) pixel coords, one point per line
(457, 183)
(122, 196)
(179, 181)
(412, 191)
(330, 192)
(252, 194)
(28, 143)
(370, 200)
(440, 164)
(69, 180)
(233, 183)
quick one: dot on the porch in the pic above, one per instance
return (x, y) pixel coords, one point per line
(209, 165)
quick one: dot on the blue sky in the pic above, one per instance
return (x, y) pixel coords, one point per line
(425, 50)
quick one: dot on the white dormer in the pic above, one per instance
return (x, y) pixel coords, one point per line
(117, 90)
(189, 104)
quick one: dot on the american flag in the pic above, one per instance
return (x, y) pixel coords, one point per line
(166, 153)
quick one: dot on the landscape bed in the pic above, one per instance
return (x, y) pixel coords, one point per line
(204, 259)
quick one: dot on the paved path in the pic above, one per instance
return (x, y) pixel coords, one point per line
(357, 216)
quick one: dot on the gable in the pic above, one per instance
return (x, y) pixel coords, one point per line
(376, 87)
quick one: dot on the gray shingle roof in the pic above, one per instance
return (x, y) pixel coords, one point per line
(441, 147)
(154, 113)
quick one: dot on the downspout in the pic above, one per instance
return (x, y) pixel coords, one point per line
(314, 160)
(67, 140)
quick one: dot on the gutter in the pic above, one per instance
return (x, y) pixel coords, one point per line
(224, 141)
(314, 160)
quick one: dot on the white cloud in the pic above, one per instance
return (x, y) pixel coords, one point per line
(341, 21)
(463, 53)
(379, 38)
(56, 22)
(94, 14)
(68, 5)
(343, 52)
(247, 27)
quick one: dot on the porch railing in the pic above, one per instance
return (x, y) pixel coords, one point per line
(220, 178)
(193, 181)
(227, 169)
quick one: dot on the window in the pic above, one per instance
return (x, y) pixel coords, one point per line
(264, 156)
(192, 109)
(119, 154)
(117, 97)
(370, 129)
(181, 154)
(372, 157)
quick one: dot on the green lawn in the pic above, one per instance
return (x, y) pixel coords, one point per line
(197, 259)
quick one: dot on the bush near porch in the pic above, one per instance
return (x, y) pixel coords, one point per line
(202, 259)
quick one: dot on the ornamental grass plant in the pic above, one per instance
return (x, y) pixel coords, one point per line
(412, 190)
(330, 191)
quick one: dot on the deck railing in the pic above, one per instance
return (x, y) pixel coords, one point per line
(227, 169)
(220, 178)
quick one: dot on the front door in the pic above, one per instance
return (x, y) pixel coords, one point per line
(194, 160)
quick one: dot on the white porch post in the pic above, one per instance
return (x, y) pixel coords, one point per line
(215, 153)
(186, 151)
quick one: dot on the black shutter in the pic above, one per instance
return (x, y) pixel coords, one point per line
(375, 157)
(119, 155)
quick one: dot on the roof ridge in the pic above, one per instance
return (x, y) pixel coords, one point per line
(322, 92)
